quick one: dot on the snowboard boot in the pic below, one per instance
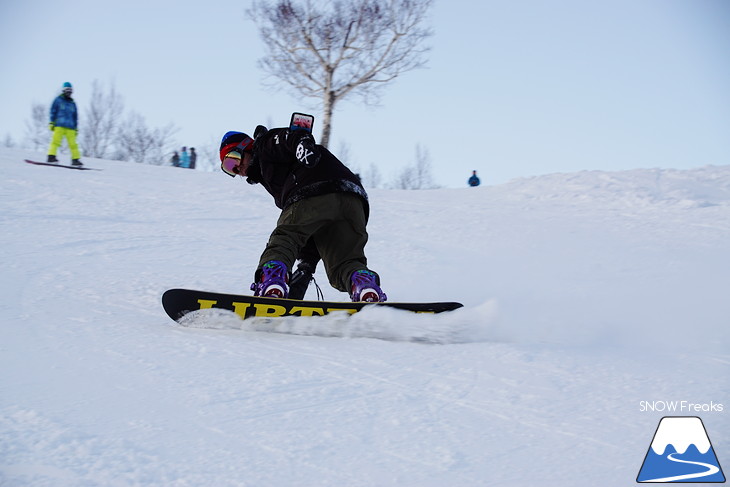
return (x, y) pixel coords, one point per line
(300, 280)
(76, 162)
(52, 159)
(366, 287)
(271, 280)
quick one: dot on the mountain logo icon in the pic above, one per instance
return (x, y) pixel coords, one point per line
(681, 452)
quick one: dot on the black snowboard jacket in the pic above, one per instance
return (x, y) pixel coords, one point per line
(276, 167)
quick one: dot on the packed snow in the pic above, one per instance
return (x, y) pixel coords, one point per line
(588, 297)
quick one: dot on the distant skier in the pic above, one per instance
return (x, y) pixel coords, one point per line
(64, 123)
(184, 158)
(321, 201)
(193, 157)
(474, 179)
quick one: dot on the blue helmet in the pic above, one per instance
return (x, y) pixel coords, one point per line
(235, 141)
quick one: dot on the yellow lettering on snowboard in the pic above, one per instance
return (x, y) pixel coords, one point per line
(269, 310)
(240, 309)
(306, 311)
(206, 303)
(352, 311)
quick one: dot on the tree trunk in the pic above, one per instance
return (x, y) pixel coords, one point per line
(328, 110)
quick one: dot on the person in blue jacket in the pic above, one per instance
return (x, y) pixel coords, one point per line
(474, 179)
(185, 158)
(64, 123)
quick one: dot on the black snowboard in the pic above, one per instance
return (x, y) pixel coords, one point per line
(80, 168)
(179, 302)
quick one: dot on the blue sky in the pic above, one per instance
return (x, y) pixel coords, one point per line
(512, 88)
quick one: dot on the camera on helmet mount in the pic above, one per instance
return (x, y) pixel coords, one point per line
(301, 121)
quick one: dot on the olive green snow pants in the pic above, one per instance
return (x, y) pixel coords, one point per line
(337, 223)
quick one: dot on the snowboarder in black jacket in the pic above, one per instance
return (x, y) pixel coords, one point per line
(323, 203)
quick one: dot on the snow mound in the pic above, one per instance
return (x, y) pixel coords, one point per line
(638, 188)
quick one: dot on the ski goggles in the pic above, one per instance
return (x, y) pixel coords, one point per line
(231, 164)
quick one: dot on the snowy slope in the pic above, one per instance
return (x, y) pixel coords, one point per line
(585, 294)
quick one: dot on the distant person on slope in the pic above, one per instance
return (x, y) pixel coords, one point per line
(321, 200)
(474, 179)
(185, 158)
(64, 123)
(193, 157)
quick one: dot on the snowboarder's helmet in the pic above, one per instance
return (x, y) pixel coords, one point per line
(234, 142)
(67, 88)
(237, 141)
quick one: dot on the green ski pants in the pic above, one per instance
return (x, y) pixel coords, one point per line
(337, 223)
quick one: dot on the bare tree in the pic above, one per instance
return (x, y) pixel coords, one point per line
(139, 143)
(372, 177)
(424, 179)
(405, 179)
(8, 141)
(101, 121)
(36, 129)
(417, 176)
(208, 156)
(329, 50)
(344, 155)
